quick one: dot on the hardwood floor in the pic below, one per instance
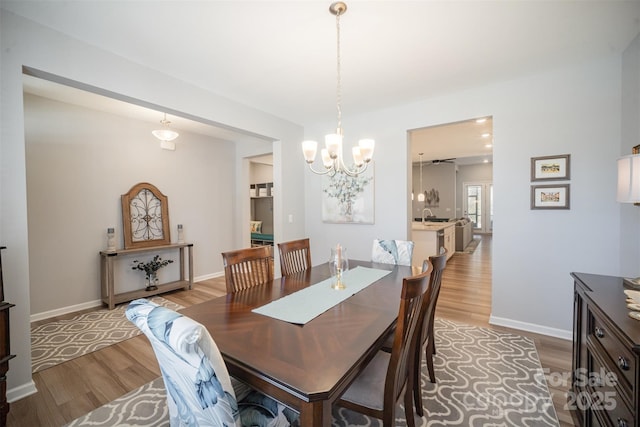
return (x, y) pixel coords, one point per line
(72, 389)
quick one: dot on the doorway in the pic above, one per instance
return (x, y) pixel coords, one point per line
(478, 205)
(261, 192)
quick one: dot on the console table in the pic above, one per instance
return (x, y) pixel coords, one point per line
(605, 381)
(107, 259)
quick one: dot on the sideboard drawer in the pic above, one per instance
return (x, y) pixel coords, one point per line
(605, 396)
(619, 353)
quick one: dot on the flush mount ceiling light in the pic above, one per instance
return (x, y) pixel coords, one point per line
(166, 135)
(332, 158)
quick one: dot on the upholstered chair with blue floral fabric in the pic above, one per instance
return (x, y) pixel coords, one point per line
(398, 252)
(200, 391)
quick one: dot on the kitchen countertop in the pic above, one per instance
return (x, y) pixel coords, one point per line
(431, 226)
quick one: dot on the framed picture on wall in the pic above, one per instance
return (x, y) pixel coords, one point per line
(347, 199)
(550, 196)
(551, 168)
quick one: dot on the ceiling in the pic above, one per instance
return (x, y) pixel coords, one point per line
(466, 142)
(280, 56)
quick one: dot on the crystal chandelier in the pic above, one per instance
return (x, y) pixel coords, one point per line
(332, 158)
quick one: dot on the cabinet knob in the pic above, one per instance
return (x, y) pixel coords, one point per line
(622, 423)
(623, 363)
(599, 332)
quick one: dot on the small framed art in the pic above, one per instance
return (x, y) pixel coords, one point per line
(551, 168)
(550, 196)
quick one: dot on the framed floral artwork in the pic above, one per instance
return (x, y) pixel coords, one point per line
(347, 199)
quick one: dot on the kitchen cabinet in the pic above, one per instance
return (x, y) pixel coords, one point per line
(429, 237)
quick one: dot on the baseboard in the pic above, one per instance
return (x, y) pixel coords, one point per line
(531, 327)
(65, 310)
(97, 303)
(22, 391)
(208, 276)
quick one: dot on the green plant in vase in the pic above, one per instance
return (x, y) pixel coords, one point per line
(150, 269)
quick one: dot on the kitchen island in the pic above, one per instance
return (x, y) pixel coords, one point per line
(429, 237)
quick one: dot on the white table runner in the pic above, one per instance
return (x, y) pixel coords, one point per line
(304, 305)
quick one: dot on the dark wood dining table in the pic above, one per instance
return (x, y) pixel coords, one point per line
(308, 366)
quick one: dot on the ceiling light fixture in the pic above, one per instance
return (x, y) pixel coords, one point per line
(332, 158)
(421, 195)
(166, 135)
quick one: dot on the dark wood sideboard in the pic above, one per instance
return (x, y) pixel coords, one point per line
(606, 354)
(5, 349)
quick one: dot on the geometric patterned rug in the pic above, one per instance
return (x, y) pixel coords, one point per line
(484, 378)
(62, 340)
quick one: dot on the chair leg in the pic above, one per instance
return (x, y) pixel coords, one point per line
(408, 405)
(432, 334)
(429, 357)
(417, 382)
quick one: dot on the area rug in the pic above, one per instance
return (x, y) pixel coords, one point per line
(62, 340)
(472, 246)
(485, 378)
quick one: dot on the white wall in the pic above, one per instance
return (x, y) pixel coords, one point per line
(24, 43)
(79, 162)
(572, 110)
(630, 214)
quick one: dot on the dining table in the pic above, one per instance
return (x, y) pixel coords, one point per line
(305, 366)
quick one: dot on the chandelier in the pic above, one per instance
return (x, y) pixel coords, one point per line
(332, 158)
(421, 194)
(166, 135)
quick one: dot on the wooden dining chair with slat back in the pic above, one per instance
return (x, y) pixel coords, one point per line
(295, 256)
(246, 268)
(426, 328)
(376, 390)
(426, 323)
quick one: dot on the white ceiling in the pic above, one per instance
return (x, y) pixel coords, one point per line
(465, 142)
(280, 56)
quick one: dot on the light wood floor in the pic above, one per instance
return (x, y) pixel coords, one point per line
(74, 388)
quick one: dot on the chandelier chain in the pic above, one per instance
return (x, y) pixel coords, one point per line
(339, 76)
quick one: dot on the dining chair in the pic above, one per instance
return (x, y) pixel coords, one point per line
(295, 256)
(388, 343)
(246, 268)
(425, 331)
(199, 388)
(375, 391)
(399, 252)
(426, 327)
